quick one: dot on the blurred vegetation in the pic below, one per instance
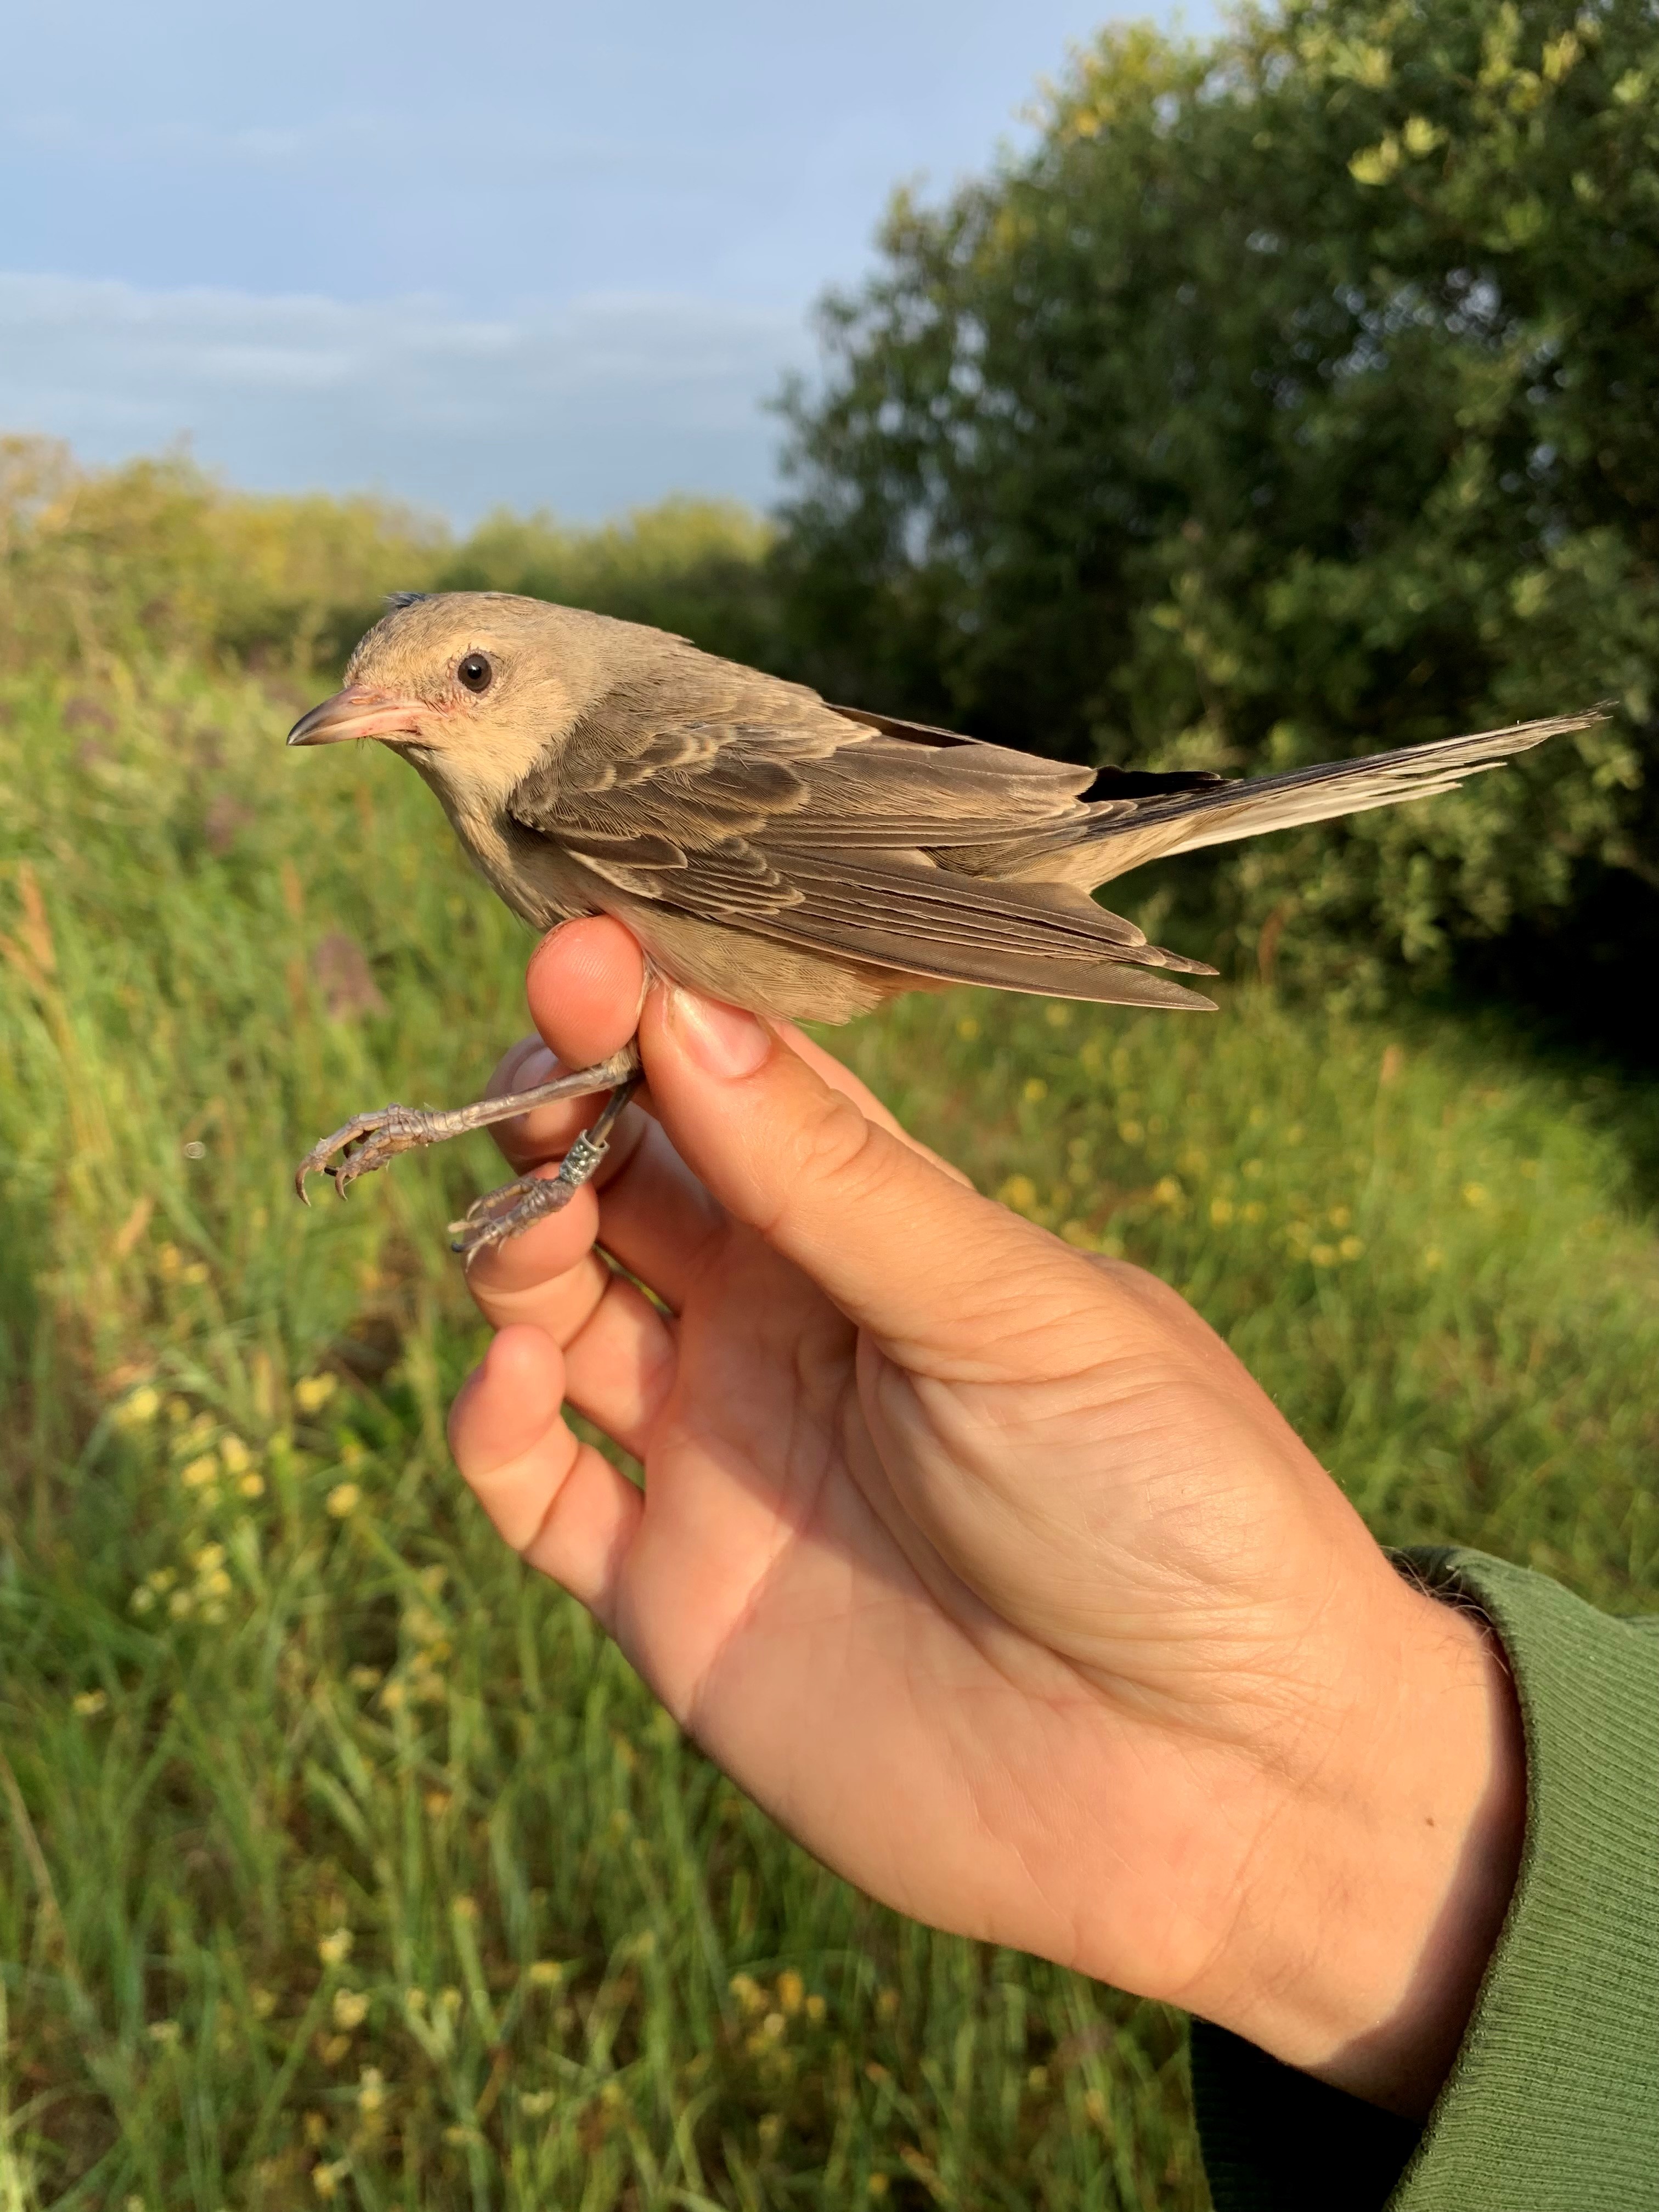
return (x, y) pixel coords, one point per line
(155, 559)
(340, 1858)
(1291, 397)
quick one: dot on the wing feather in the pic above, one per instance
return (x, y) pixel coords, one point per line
(735, 798)
(739, 800)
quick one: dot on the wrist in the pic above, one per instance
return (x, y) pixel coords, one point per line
(1389, 1856)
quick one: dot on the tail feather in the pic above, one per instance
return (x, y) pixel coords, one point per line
(1185, 822)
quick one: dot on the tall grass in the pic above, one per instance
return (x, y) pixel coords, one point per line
(340, 1860)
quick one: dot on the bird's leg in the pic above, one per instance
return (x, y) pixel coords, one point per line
(510, 1210)
(367, 1141)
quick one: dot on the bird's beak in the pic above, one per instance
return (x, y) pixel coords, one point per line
(358, 712)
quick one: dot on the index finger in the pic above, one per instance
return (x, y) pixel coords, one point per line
(586, 986)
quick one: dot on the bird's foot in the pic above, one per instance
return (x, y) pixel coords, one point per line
(509, 1211)
(367, 1141)
(364, 1143)
(516, 1206)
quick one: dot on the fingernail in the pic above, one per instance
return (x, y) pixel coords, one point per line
(722, 1040)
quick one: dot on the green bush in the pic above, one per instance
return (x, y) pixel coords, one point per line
(156, 558)
(1292, 397)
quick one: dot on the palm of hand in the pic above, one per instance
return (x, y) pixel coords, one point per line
(984, 1566)
(978, 1577)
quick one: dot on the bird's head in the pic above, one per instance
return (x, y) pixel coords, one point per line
(473, 687)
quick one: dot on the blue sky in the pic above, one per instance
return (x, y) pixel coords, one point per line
(498, 254)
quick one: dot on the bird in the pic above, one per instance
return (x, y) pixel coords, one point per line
(802, 860)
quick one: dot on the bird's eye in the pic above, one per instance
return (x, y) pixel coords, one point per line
(475, 673)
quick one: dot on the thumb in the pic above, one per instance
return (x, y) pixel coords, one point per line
(935, 1271)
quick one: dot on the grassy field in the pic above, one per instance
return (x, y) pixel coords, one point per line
(340, 1861)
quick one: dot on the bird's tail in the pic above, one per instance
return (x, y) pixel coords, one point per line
(1182, 821)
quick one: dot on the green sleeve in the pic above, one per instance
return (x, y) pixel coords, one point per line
(1553, 2103)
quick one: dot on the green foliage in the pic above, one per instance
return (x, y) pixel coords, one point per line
(156, 558)
(1292, 397)
(339, 1859)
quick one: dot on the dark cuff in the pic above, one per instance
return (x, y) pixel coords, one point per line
(1552, 2101)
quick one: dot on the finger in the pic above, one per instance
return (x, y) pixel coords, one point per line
(545, 1132)
(621, 1366)
(619, 1349)
(841, 1078)
(585, 985)
(548, 1276)
(648, 1212)
(585, 982)
(560, 1503)
(947, 1281)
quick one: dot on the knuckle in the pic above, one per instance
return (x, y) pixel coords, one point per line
(839, 1148)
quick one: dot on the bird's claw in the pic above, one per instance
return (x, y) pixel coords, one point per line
(509, 1211)
(364, 1143)
(517, 1206)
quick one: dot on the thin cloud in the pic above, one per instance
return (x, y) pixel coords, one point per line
(583, 406)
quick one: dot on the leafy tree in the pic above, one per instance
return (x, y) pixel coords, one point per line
(1293, 396)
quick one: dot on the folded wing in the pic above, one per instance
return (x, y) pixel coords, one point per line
(751, 803)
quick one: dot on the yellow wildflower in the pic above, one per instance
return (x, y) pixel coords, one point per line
(140, 1409)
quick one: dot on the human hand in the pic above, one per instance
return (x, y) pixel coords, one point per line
(980, 1563)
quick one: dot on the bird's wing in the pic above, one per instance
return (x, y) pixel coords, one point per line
(1104, 782)
(751, 803)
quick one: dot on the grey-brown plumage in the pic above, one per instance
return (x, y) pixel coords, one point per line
(794, 858)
